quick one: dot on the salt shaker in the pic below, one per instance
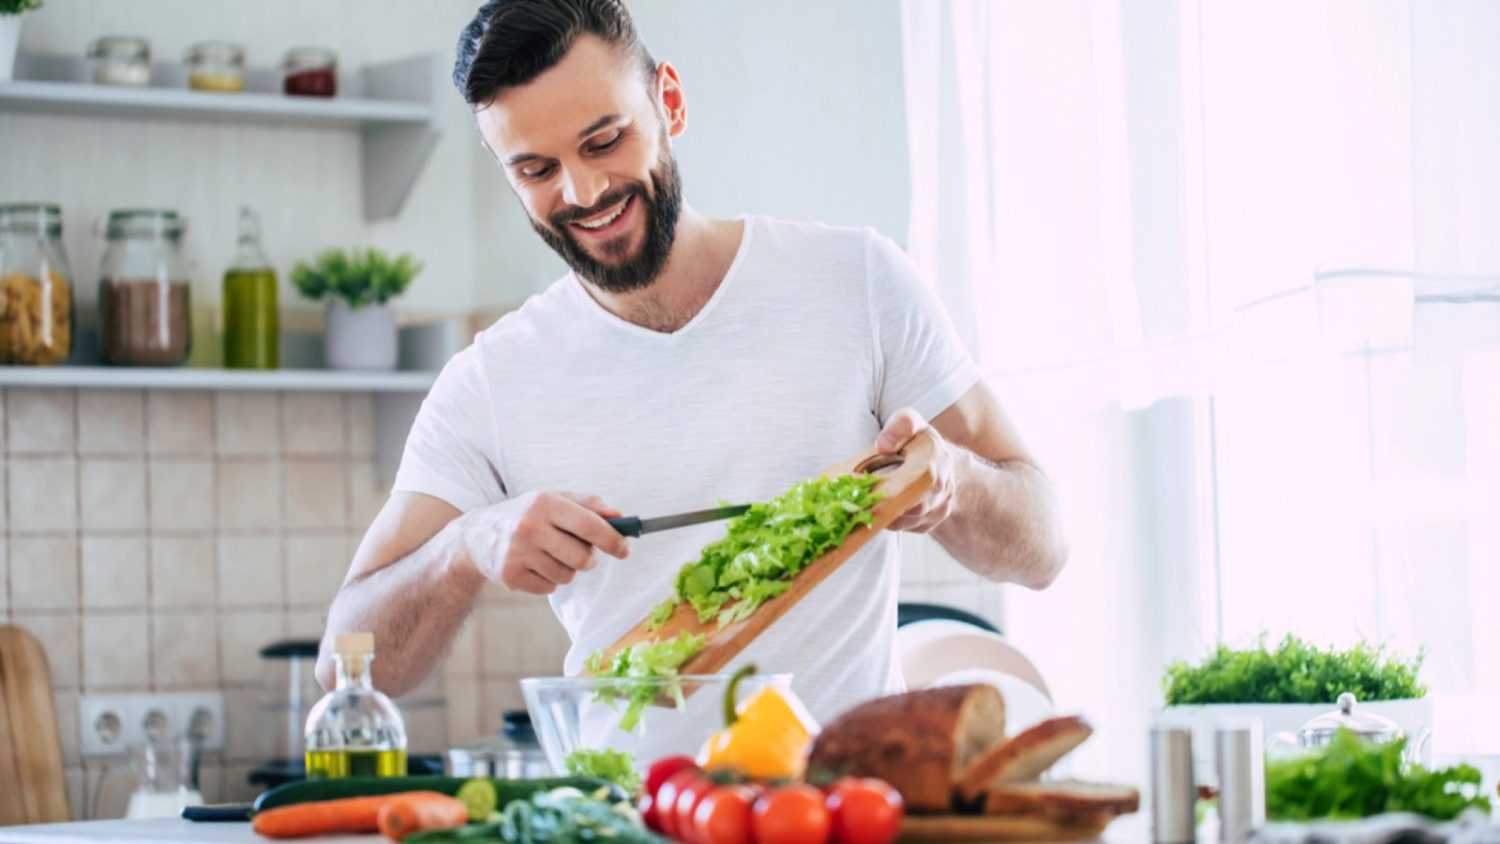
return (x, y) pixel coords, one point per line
(1174, 796)
(1240, 751)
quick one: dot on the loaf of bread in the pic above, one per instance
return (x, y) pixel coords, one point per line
(1024, 756)
(920, 742)
(1067, 801)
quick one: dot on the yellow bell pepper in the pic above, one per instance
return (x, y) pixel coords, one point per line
(766, 737)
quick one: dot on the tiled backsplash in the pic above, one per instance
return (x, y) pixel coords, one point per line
(156, 540)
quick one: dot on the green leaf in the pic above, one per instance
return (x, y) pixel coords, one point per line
(614, 765)
(648, 661)
(1295, 672)
(358, 276)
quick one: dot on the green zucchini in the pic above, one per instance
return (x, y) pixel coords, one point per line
(309, 791)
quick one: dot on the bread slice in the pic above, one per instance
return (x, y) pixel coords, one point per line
(1064, 802)
(919, 742)
(1024, 756)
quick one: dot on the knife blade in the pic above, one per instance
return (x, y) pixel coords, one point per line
(635, 525)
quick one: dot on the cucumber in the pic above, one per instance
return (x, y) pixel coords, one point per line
(310, 791)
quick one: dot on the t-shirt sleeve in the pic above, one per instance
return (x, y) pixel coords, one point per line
(920, 361)
(449, 451)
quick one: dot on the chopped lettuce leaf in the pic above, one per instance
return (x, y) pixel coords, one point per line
(644, 661)
(661, 613)
(614, 765)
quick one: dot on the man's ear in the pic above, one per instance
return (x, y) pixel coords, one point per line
(670, 99)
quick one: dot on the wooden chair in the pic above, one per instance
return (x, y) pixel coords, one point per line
(32, 787)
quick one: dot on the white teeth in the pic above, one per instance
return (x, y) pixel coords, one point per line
(599, 224)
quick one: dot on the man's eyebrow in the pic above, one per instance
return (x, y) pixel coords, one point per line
(522, 159)
(597, 125)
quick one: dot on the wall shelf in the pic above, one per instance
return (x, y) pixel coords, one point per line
(393, 106)
(184, 378)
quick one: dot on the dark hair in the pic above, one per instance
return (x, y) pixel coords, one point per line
(511, 42)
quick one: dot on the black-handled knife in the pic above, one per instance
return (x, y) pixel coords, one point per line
(635, 525)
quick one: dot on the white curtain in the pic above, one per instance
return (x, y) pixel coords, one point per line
(1235, 268)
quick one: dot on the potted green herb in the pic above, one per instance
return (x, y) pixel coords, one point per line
(1286, 686)
(10, 33)
(360, 329)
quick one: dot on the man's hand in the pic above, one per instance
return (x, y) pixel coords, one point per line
(938, 502)
(539, 541)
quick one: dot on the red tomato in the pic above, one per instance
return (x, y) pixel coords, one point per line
(689, 795)
(791, 815)
(646, 805)
(665, 800)
(664, 768)
(865, 811)
(723, 817)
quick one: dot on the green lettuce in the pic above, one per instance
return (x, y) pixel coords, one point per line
(1352, 778)
(614, 765)
(646, 661)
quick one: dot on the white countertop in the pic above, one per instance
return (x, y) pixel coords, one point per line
(149, 832)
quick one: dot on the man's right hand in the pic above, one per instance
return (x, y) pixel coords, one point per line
(541, 540)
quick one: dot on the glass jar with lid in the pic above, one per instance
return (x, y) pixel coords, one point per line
(310, 72)
(144, 292)
(216, 66)
(36, 293)
(121, 60)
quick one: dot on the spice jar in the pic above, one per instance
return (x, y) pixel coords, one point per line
(36, 296)
(144, 302)
(310, 72)
(216, 66)
(121, 60)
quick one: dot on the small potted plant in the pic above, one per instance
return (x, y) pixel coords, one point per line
(10, 33)
(1287, 686)
(358, 284)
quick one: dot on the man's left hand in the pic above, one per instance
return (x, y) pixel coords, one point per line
(938, 502)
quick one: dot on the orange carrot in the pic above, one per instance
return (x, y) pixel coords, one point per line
(419, 811)
(350, 814)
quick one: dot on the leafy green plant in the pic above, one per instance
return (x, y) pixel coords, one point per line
(16, 7)
(1295, 672)
(1355, 778)
(358, 276)
(613, 765)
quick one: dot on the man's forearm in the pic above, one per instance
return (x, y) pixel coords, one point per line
(1004, 524)
(414, 606)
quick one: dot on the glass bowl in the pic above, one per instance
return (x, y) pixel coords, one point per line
(572, 713)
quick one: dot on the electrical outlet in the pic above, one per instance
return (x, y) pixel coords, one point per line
(110, 724)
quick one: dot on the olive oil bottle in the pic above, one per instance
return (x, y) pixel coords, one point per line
(355, 730)
(251, 322)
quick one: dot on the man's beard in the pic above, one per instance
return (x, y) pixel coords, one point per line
(661, 230)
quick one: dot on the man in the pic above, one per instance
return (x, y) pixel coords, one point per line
(684, 361)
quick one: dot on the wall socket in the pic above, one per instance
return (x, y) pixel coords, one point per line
(110, 724)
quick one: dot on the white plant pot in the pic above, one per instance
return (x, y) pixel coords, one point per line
(1412, 715)
(359, 338)
(10, 39)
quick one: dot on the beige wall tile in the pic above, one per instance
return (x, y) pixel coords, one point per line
(114, 571)
(250, 571)
(109, 787)
(463, 656)
(501, 694)
(314, 493)
(184, 571)
(315, 567)
(545, 643)
(182, 494)
(361, 410)
(248, 423)
(4, 579)
(43, 493)
(464, 701)
(248, 493)
(306, 623)
(426, 728)
(58, 633)
(237, 787)
(242, 633)
(312, 423)
(179, 423)
(111, 421)
(43, 573)
(39, 421)
(77, 793)
(501, 631)
(366, 494)
(65, 705)
(211, 781)
(185, 650)
(115, 651)
(245, 728)
(112, 494)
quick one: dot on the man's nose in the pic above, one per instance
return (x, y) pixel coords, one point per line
(582, 186)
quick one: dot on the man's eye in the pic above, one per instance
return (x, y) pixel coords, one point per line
(536, 171)
(606, 146)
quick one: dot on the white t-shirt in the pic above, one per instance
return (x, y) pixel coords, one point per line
(814, 338)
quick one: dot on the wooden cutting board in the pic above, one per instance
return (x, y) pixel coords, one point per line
(944, 828)
(904, 477)
(32, 788)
